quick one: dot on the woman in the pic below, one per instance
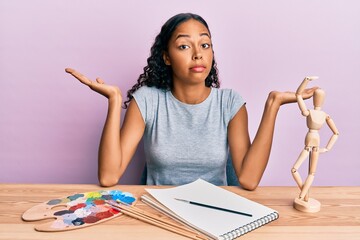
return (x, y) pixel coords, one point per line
(189, 125)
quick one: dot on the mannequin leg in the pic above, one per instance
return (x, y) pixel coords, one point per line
(306, 198)
(294, 171)
(309, 180)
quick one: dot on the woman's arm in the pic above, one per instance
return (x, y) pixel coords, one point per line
(116, 146)
(250, 160)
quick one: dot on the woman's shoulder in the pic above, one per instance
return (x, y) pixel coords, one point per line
(229, 98)
(147, 91)
(147, 99)
(226, 93)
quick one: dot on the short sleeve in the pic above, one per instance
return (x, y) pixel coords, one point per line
(144, 99)
(235, 102)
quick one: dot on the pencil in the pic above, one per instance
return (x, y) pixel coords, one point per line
(213, 207)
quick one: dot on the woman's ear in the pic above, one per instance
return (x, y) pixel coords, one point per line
(166, 58)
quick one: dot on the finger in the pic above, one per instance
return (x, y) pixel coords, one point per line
(69, 70)
(309, 92)
(312, 90)
(99, 80)
(79, 76)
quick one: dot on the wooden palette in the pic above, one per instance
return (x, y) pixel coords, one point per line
(77, 211)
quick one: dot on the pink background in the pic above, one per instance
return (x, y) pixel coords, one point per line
(50, 124)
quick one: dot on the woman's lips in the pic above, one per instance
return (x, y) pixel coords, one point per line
(197, 69)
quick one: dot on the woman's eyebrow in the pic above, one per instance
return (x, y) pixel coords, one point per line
(188, 36)
(205, 34)
(182, 35)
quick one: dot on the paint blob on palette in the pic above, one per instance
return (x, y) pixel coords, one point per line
(78, 210)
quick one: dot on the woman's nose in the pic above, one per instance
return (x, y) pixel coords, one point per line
(197, 55)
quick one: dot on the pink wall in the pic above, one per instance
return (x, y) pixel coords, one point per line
(50, 124)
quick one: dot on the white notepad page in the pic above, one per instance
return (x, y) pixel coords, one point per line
(212, 222)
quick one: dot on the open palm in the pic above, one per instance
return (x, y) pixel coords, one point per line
(98, 86)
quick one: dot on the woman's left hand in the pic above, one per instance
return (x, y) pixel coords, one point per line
(290, 97)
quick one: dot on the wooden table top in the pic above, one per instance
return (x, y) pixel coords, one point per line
(339, 217)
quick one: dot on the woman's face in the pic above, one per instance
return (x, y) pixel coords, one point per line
(190, 53)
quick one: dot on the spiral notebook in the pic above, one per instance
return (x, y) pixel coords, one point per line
(214, 223)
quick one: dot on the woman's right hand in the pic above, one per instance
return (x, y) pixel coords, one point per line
(98, 86)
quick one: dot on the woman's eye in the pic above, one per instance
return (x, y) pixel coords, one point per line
(183, 47)
(205, 45)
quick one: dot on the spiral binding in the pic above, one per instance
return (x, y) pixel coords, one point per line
(250, 227)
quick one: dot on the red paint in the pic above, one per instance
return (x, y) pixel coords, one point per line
(80, 205)
(102, 215)
(91, 219)
(114, 211)
(99, 202)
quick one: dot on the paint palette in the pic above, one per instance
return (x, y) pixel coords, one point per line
(78, 210)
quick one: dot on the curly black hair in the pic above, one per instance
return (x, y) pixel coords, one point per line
(157, 73)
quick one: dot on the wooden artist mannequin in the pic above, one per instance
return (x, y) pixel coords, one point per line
(314, 119)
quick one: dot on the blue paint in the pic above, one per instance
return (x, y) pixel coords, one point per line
(75, 196)
(78, 222)
(54, 202)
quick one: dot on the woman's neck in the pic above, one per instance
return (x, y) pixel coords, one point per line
(191, 94)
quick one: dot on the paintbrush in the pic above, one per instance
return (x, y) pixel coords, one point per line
(154, 220)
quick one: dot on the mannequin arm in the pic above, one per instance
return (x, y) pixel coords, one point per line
(304, 111)
(334, 137)
(303, 85)
(301, 103)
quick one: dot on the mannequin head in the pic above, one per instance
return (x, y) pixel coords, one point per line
(318, 98)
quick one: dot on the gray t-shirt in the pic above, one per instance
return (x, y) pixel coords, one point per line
(184, 142)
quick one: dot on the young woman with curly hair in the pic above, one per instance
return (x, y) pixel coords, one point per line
(189, 125)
